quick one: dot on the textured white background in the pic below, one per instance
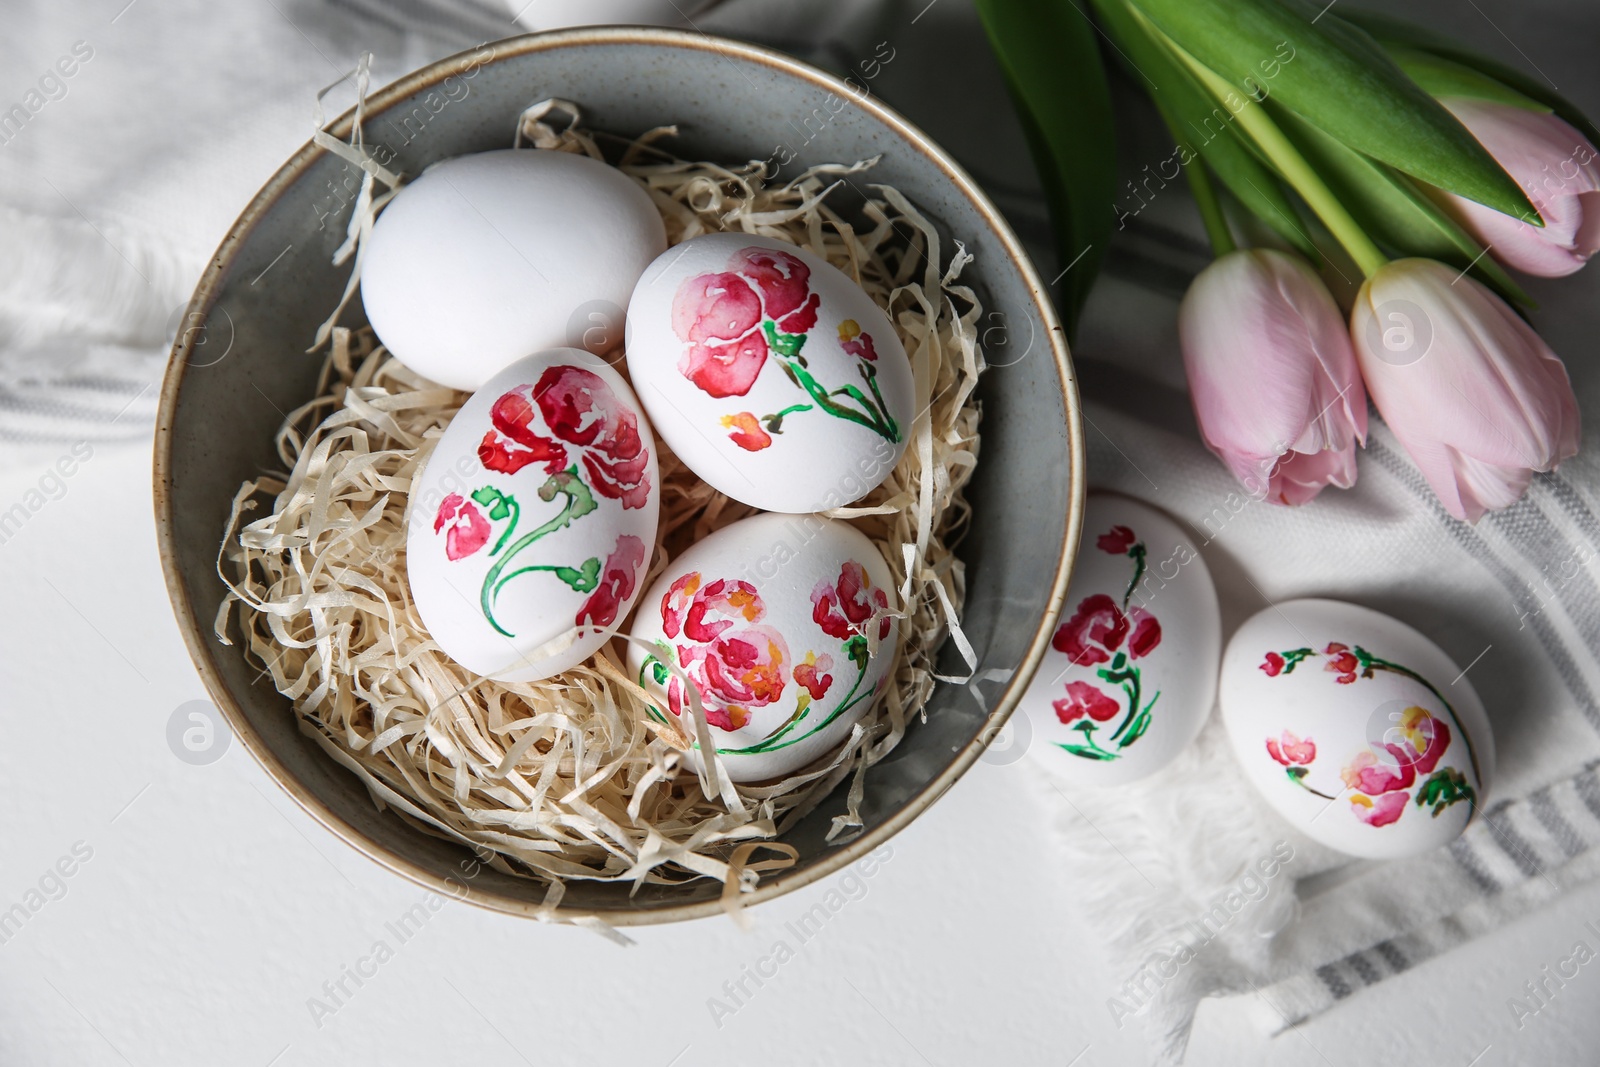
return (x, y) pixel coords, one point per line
(213, 909)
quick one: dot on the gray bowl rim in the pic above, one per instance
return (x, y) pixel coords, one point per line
(197, 627)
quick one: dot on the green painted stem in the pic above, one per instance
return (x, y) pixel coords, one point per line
(768, 744)
(489, 581)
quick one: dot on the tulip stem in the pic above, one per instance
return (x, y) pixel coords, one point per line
(1205, 198)
(1278, 149)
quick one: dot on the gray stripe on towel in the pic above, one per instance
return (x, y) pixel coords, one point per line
(1554, 647)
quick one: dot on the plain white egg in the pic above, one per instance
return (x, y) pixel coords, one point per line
(490, 257)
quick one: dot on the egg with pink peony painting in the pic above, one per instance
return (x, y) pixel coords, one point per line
(532, 523)
(769, 372)
(1356, 728)
(1131, 672)
(779, 631)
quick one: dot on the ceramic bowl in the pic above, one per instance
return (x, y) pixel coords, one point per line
(240, 363)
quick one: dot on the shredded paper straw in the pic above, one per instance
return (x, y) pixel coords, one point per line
(570, 778)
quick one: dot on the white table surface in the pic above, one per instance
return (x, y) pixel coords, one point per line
(212, 910)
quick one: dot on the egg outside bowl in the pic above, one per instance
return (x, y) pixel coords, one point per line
(240, 363)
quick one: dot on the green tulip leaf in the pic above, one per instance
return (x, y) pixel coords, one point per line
(1337, 78)
(1390, 207)
(1203, 127)
(1440, 77)
(1392, 32)
(1048, 53)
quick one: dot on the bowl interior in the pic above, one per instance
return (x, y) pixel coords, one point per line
(242, 363)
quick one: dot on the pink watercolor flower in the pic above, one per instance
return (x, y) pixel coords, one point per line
(468, 529)
(733, 661)
(1273, 665)
(722, 317)
(1116, 541)
(783, 280)
(1379, 811)
(856, 343)
(843, 607)
(1097, 630)
(810, 674)
(581, 411)
(1341, 661)
(1290, 750)
(1085, 699)
(617, 580)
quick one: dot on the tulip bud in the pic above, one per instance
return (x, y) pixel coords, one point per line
(1274, 383)
(1558, 170)
(1472, 392)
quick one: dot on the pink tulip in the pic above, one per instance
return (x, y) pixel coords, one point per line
(1471, 391)
(1559, 171)
(1274, 382)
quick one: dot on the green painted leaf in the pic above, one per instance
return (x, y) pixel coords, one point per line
(1392, 209)
(584, 579)
(1440, 76)
(1202, 127)
(1048, 53)
(1338, 79)
(1390, 31)
(1086, 752)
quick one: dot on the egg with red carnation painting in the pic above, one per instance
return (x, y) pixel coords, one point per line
(783, 628)
(769, 372)
(1356, 728)
(531, 526)
(1131, 672)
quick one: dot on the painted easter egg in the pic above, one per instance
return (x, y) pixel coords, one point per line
(1131, 672)
(1355, 727)
(487, 258)
(771, 374)
(532, 525)
(786, 627)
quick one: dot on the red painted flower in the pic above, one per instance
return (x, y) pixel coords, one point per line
(1146, 633)
(1085, 699)
(783, 280)
(512, 444)
(856, 343)
(616, 584)
(1274, 665)
(721, 316)
(580, 410)
(465, 528)
(1291, 750)
(810, 674)
(1116, 541)
(734, 665)
(1379, 811)
(1342, 662)
(1419, 743)
(844, 607)
(747, 433)
(1098, 629)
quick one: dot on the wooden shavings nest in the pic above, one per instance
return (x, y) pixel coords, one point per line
(569, 777)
